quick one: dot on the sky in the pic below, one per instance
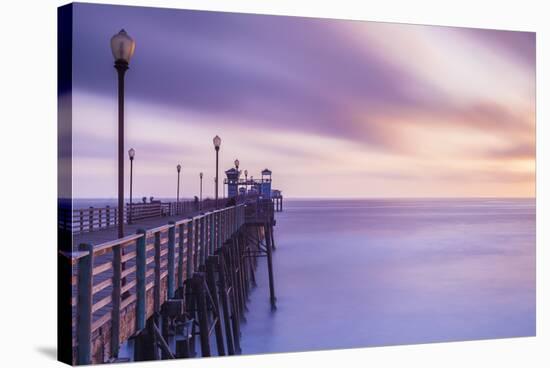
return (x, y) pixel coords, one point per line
(334, 108)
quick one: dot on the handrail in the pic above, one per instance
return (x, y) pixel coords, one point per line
(158, 229)
(89, 219)
(112, 243)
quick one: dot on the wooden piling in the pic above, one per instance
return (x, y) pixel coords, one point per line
(223, 296)
(230, 297)
(197, 285)
(240, 274)
(211, 269)
(271, 236)
(269, 249)
(235, 279)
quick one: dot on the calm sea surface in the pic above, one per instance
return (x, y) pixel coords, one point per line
(355, 273)
(359, 273)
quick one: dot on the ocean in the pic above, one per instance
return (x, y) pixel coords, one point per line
(357, 273)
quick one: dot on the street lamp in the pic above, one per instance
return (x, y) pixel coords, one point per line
(217, 142)
(246, 181)
(123, 47)
(178, 194)
(200, 198)
(131, 154)
(237, 167)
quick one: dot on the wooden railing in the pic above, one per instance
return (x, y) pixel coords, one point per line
(97, 218)
(117, 285)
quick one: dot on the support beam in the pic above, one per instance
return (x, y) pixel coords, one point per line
(267, 228)
(211, 268)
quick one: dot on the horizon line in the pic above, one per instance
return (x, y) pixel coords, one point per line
(337, 198)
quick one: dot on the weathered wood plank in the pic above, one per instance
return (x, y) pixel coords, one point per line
(101, 268)
(102, 303)
(102, 285)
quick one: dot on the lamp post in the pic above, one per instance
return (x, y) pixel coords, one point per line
(237, 167)
(178, 193)
(123, 47)
(200, 195)
(246, 182)
(217, 142)
(131, 154)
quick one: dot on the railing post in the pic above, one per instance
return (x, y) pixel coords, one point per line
(190, 255)
(91, 219)
(222, 226)
(212, 234)
(108, 215)
(196, 244)
(116, 297)
(141, 256)
(218, 235)
(156, 291)
(171, 259)
(85, 301)
(81, 221)
(203, 243)
(181, 232)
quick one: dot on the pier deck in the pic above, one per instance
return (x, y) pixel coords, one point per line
(111, 233)
(127, 288)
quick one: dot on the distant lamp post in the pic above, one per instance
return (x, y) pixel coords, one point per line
(246, 181)
(123, 47)
(178, 194)
(200, 194)
(237, 167)
(131, 154)
(217, 142)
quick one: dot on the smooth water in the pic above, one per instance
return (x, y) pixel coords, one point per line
(355, 273)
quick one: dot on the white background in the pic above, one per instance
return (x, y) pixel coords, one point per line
(28, 195)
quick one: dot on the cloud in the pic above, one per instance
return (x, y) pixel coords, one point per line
(523, 151)
(323, 93)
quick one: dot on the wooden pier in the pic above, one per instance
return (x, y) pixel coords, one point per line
(162, 288)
